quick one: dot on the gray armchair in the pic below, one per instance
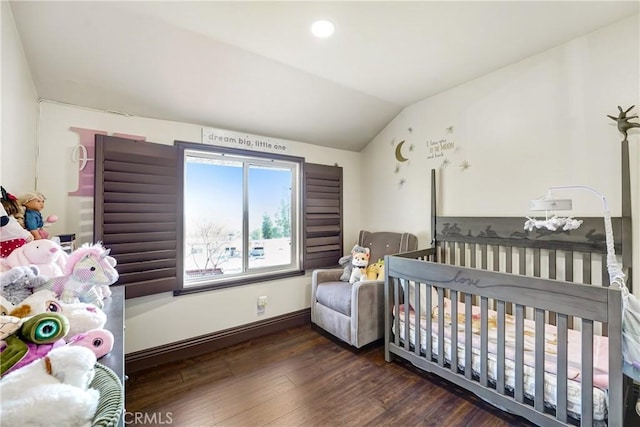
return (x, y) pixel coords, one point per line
(355, 313)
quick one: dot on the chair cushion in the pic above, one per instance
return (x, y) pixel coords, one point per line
(336, 296)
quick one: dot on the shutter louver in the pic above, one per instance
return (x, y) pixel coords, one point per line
(322, 215)
(135, 212)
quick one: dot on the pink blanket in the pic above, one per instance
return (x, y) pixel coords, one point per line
(600, 344)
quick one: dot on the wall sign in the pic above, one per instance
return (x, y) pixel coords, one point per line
(227, 138)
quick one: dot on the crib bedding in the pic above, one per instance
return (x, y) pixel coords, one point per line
(600, 355)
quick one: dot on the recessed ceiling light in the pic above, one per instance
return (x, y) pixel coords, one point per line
(322, 28)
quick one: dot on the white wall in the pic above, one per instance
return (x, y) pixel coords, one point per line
(160, 319)
(19, 112)
(534, 124)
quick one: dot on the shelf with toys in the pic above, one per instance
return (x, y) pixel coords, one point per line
(58, 312)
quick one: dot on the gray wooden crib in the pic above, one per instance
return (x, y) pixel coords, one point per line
(488, 305)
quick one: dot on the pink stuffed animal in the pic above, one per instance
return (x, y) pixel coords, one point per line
(47, 255)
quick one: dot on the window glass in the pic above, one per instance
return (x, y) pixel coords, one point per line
(240, 217)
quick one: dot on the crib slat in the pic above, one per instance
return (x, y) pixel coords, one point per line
(417, 309)
(407, 318)
(561, 369)
(440, 326)
(501, 351)
(396, 306)
(605, 272)
(552, 264)
(519, 368)
(539, 356)
(552, 275)
(568, 275)
(483, 252)
(536, 262)
(468, 337)
(484, 342)
(509, 269)
(463, 253)
(568, 266)
(586, 373)
(428, 347)
(472, 255)
(454, 331)
(586, 268)
(522, 261)
(495, 249)
(452, 253)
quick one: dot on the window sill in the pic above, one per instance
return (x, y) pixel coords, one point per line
(233, 283)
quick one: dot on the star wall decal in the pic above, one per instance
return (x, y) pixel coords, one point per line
(464, 166)
(411, 147)
(410, 130)
(397, 170)
(446, 163)
(449, 129)
(402, 182)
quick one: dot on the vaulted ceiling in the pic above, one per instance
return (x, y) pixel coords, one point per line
(255, 67)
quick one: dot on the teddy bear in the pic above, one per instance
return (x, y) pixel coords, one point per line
(375, 271)
(359, 263)
(52, 391)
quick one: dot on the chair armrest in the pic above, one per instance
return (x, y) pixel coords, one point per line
(367, 311)
(328, 275)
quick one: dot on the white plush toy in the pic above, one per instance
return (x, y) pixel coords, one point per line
(82, 317)
(52, 391)
(359, 262)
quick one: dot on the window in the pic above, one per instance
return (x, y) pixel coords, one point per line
(139, 215)
(241, 216)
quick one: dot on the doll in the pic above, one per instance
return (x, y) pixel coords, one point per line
(33, 222)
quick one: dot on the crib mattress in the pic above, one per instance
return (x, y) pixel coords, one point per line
(573, 387)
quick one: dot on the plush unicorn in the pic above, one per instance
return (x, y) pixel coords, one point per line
(88, 273)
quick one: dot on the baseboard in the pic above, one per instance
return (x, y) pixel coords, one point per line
(203, 344)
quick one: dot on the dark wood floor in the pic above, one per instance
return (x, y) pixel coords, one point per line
(301, 377)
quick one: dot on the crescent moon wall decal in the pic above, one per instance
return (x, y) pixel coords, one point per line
(399, 155)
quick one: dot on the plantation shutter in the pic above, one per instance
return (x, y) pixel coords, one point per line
(322, 215)
(135, 212)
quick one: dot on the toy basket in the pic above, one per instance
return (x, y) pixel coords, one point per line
(111, 403)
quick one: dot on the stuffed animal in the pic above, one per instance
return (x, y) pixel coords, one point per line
(47, 255)
(375, 271)
(33, 340)
(12, 206)
(82, 317)
(100, 341)
(347, 261)
(12, 235)
(359, 262)
(52, 391)
(89, 272)
(20, 282)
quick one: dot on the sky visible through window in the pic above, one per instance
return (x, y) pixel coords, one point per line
(214, 191)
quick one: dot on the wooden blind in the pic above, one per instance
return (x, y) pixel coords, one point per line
(323, 235)
(135, 212)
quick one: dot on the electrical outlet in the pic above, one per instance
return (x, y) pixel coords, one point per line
(262, 304)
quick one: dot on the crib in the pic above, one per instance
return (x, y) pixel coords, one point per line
(506, 315)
